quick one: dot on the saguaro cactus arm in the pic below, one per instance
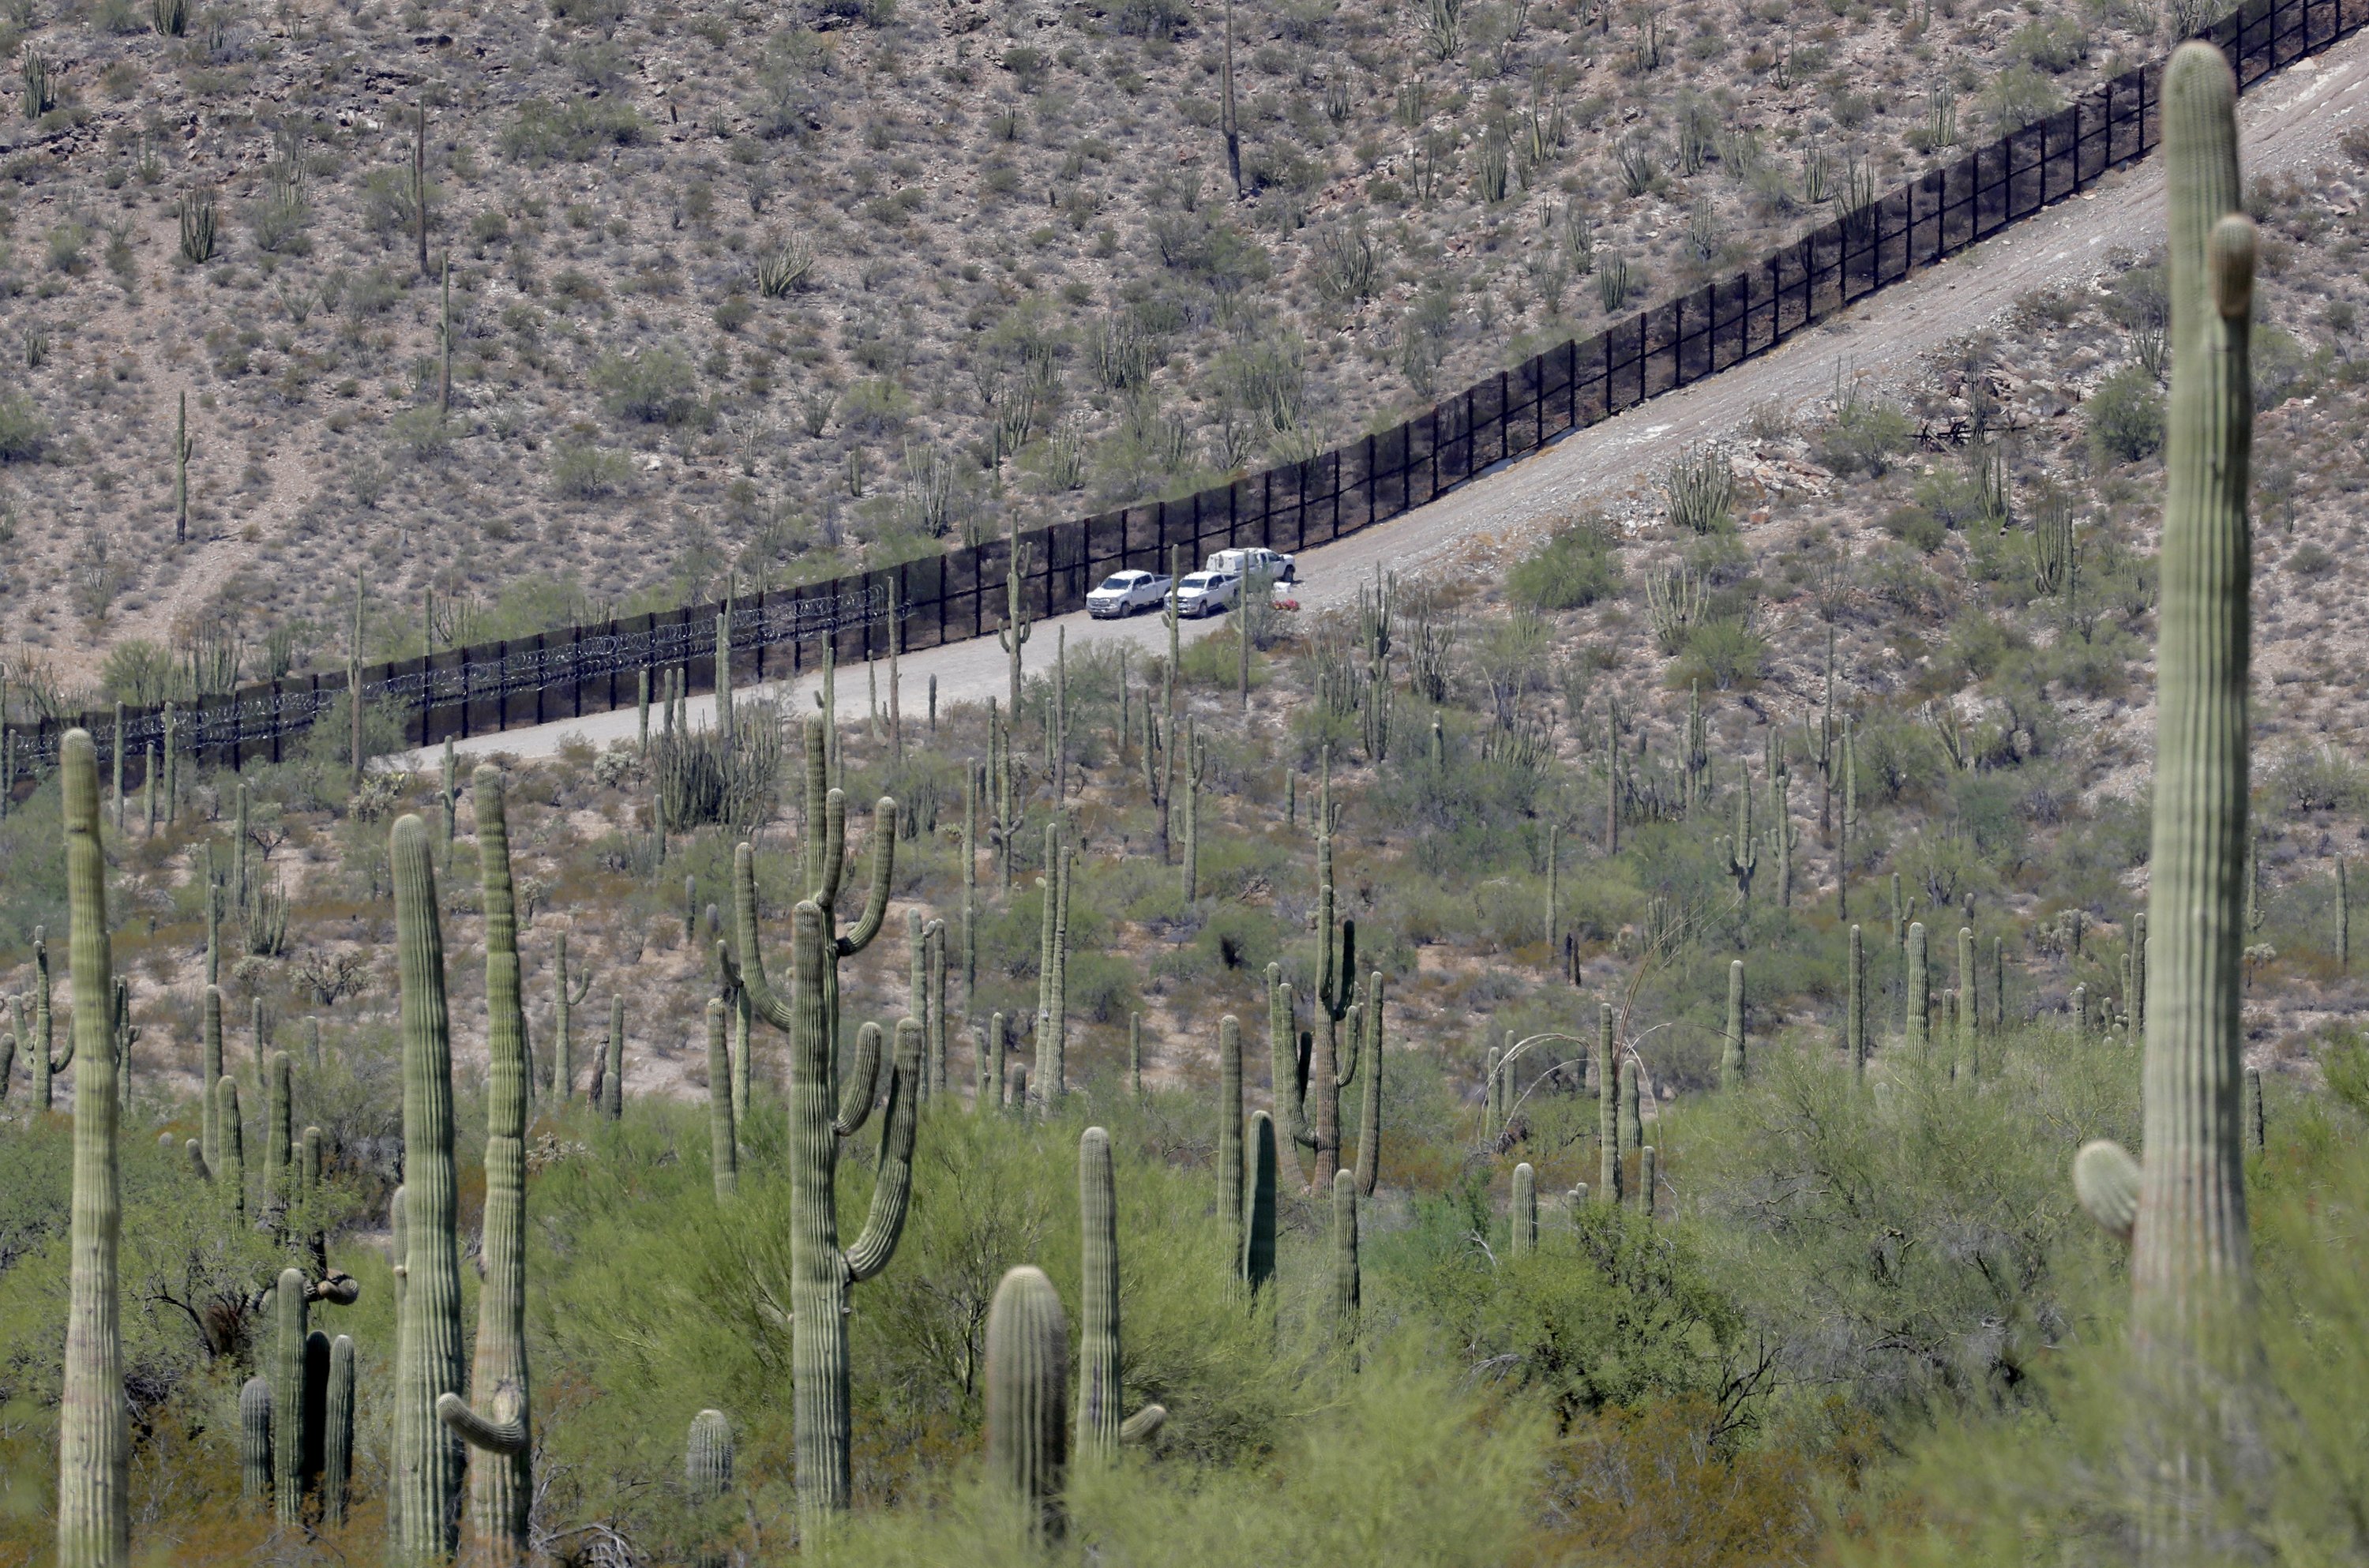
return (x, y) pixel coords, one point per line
(876, 1243)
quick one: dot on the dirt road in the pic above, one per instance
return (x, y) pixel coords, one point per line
(2288, 123)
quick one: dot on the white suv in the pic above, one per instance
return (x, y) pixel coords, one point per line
(1124, 593)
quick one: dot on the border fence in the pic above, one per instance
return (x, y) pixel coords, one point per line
(961, 594)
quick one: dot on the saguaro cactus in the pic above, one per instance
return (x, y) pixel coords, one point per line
(1855, 1006)
(424, 1457)
(1610, 1072)
(1230, 1141)
(254, 1443)
(565, 995)
(1308, 1090)
(230, 1172)
(1369, 1110)
(820, 1272)
(825, 858)
(46, 1065)
(289, 1305)
(2192, 1260)
(1347, 1281)
(94, 1441)
(1258, 1245)
(612, 1072)
(1730, 1056)
(1632, 1121)
(1100, 1399)
(210, 1071)
(1523, 1212)
(1027, 1397)
(338, 1432)
(1919, 1007)
(501, 1478)
(707, 1456)
(722, 1148)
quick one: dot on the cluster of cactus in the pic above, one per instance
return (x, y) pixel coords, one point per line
(296, 1426)
(1311, 1071)
(198, 219)
(38, 99)
(2183, 1206)
(821, 1271)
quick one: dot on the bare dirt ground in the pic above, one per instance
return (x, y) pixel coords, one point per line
(2290, 123)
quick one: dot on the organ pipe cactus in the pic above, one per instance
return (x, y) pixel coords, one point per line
(501, 1478)
(723, 1152)
(94, 1441)
(289, 1303)
(1100, 1399)
(424, 1457)
(2192, 1259)
(1027, 1399)
(1730, 1056)
(1523, 1213)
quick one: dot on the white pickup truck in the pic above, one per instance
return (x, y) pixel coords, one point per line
(1123, 593)
(1272, 564)
(1207, 593)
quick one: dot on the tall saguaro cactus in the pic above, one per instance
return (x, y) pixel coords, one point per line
(1523, 1212)
(2184, 1204)
(1100, 1427)
(1310, 1097)
(424, 1510)
(501, 1477)
(1369, 1109)
(94, 1440)
(1347, 1280)
(820, 1272)
(1919, 1010)
(289, 1301)
(1230, 1141)
(1609, 1072)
